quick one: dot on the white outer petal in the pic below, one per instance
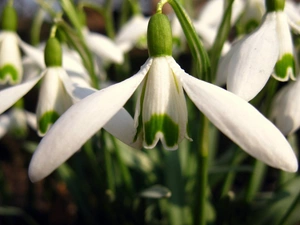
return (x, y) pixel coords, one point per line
(103, 46)
(34, 53)
(242, 123)
(293, 15)
(253, 60)
(285, 109)
(10, 52)
(131, 32)
(121, 125)
(11, 95)
(79, 123)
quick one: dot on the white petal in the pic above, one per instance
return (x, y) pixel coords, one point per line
(293, 14)
(286, 108)
(52, 97)
(37, 54)
(79, 123)
(130, 32)
(121, 125)
(253, 60)
(10, 55)
(72, 61)
(104, 47)
(242, 123)
(163, 96)
(11, 95)
(4, 124)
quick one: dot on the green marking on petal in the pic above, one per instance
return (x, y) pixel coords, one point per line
(46, 120)
(9, 72)
(165, 125)
(283, 65)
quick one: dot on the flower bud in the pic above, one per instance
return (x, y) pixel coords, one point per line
(275, 5)
(159, 36)
(53, 53)
(9, 19)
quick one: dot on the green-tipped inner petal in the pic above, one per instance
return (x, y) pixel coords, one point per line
(46, 120)
(283, 65)
(164, 124)
(9, 72)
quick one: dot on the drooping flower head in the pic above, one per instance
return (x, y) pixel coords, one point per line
(11, 70)
(161, 113)
(267, 50)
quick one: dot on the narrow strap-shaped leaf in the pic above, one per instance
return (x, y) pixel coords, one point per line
(196, 47)
(221, 37)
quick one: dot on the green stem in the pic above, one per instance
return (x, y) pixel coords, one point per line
(108, 18)
(124, 169)
(202, 173)
(255, 180)
(291, 209)
(44, 5)
(236, 160)
(111, 190)
(79, 44)
(135, 7)
(221, 38)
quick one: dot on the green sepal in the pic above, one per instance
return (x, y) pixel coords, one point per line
(53, 53)
(159, 36)
(9, 19)
(283, 65)
(275, 5)
(9, 72)
(46, 120)
(164, 124)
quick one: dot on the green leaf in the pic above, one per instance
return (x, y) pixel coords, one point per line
(221, 37)
(196, 47)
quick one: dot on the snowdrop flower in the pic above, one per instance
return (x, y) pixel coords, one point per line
(210, 18)
(11, 70)
(16, 121)
(102, 46)
(285, 108)
(132, 32)
(161, 113)
(56, 88)
(251, 16)
(268, 50)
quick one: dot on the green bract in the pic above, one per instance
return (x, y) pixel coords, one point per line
(159, 36)
(9, 19)
(53, 53)
(275, 5)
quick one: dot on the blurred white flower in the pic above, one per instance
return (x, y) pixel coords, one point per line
(132, 32)
(16, 121)
(285, 108)
(268, 50)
